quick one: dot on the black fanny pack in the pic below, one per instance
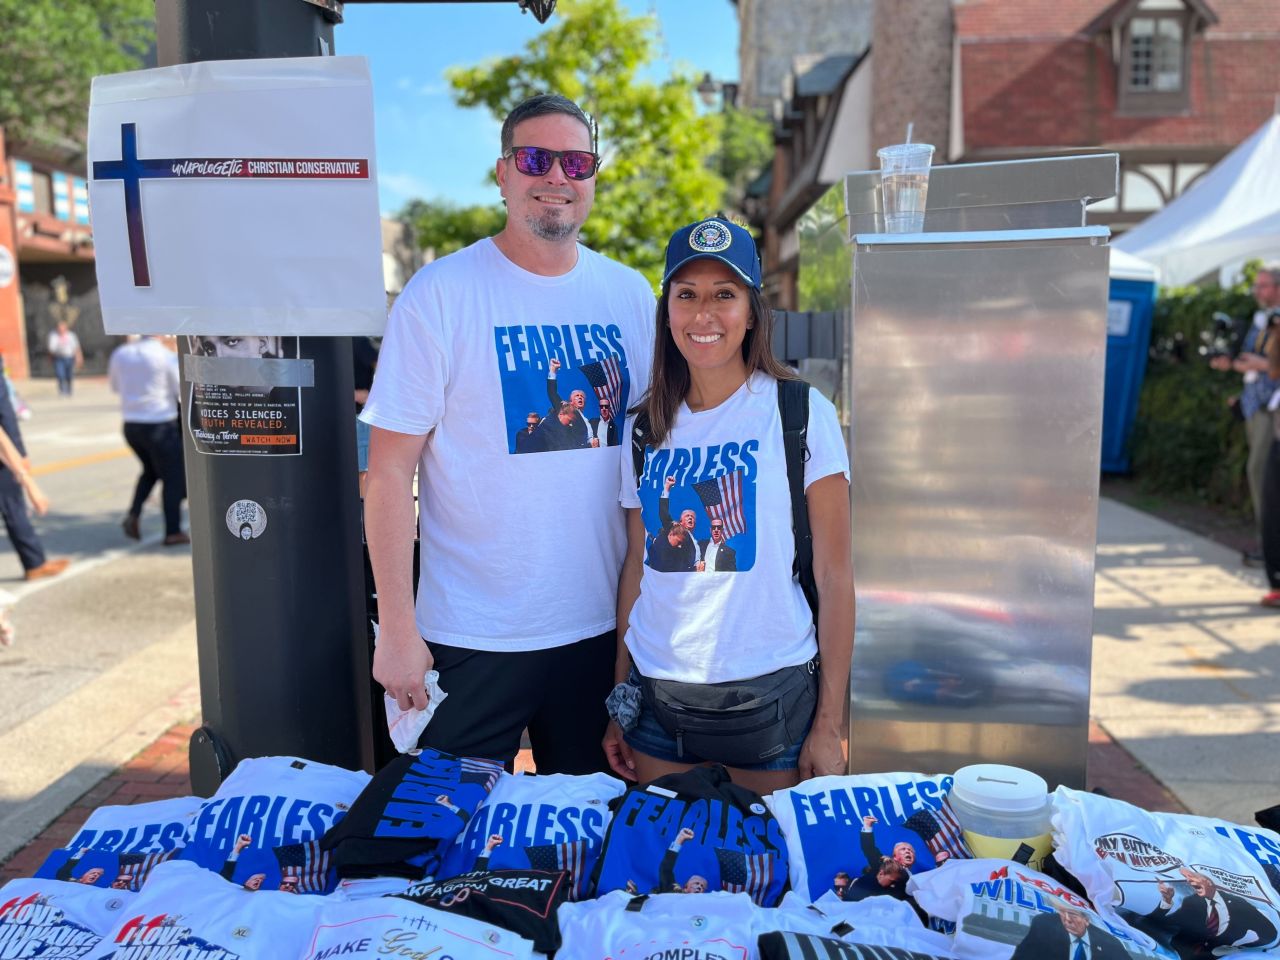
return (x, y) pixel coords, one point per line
(740, 722)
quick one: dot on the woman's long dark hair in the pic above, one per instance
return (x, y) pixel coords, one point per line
(669, 381)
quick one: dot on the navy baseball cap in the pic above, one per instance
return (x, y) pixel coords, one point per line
(714, 239)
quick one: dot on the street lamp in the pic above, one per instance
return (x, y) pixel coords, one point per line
(708, 87)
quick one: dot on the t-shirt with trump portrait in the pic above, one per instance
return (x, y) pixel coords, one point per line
(262, 827)
(1006, 911)
(517, 378)
(117, 846)
(719, 545)
(543, 822)
(1181, 880)
(186, 913)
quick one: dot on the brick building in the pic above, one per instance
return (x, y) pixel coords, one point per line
(46, 262)
(1170, 85)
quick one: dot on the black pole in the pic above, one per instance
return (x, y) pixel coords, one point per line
(283, 654)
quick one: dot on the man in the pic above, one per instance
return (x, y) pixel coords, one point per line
(524, 438)
(716, 554)
(1251, 361)
(578, 400)
(13, 507)
(688, 520)
(1211, 918)
(904, 854)
(559, 431)
(64, 351)
(473, 335)
(1066, 934)
(840, 885)
(604, 429)
(669, 549)
(667, 882)
(145, 375)
(890, 878)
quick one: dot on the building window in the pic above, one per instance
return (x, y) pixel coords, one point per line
(1155, 61)
(1155, 55)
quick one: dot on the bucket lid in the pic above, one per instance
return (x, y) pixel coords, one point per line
(1000, 788)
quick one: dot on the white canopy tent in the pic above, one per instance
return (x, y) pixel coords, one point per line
(1229, 215)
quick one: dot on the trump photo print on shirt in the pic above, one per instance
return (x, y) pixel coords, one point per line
(564, 387)
(699, 507)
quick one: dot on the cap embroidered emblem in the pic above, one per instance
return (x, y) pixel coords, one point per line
(710, 237)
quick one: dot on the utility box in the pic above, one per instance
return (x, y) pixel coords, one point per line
(975, 393)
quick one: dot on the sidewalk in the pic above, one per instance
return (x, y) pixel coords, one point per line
(1184, 674)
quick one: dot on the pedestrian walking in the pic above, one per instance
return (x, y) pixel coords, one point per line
(64, 349)
(145, 375)
(16, 485)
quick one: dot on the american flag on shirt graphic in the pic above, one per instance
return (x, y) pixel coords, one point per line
(749, 873)
(605, 378)
(723, 498)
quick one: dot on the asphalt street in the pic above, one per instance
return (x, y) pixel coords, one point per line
(104, 656)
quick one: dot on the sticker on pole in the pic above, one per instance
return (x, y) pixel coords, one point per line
(218, 190)
(246, 519)
(246, 394)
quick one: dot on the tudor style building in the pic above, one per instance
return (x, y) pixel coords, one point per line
(1170, 85)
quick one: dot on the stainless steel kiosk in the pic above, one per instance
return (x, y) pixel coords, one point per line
(974, 397)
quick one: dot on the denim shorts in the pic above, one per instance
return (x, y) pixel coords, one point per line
(651, 738)
(362, 445)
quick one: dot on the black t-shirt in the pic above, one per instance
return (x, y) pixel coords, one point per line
(523, 901)
(411, 809)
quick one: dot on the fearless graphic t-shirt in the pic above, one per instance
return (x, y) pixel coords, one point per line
(409, 814)
(521, 381)
(1005, 911)
(866, 835)
(719, 545)
(192, 914)
(693, 832)
(118, 845)
(262, 828)
(1177, 879)
(391, 927)
(547, 822)
(52, 918)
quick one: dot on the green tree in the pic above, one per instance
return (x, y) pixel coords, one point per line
(443, 227)
(51, 49)
(660, 156)
(746, 148)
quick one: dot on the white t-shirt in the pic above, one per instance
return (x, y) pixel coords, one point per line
(749, 617)
(391, 927)
(522, 538)
(56, 919)
(145, 375)
(714, 924)
(193, 914)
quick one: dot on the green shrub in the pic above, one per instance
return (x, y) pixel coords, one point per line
(1186, 441)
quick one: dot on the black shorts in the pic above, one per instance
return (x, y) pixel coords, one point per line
(558, 694)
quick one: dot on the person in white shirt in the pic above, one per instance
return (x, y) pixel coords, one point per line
(64, 350)
(144, 372)
(698, 646)
(476, 341)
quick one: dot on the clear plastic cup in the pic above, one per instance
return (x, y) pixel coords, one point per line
(904, 185)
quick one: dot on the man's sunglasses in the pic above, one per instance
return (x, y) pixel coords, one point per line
(536, 161)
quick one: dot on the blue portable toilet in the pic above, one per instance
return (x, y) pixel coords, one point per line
(1129, 306)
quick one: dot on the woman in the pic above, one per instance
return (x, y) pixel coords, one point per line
(717, 660)
(1271, 479)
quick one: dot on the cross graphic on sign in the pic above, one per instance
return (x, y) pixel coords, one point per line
(132, 170)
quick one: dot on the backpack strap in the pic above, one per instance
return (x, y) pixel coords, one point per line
(639, 440)
(793, 407)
